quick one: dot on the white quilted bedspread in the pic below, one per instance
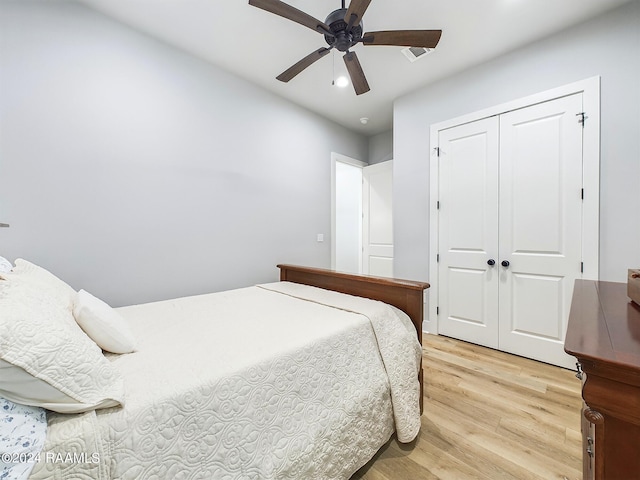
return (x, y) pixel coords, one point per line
(280, 381)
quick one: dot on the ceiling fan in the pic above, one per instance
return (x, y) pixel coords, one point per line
(342, 30)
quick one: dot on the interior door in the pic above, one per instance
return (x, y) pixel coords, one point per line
(377, 224)
(468, 232)
(540, 226)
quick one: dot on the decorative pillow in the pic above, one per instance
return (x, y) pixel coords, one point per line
(5, 265)
(103, 324)
(44, 349)
(23, 431)
(60, 292)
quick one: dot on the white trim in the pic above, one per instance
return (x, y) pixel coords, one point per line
(590, 88)
(430, 322)
(591, 180)
(338, 157)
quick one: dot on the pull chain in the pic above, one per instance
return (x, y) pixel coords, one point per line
(333, 62)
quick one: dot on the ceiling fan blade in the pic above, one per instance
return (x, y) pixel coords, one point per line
(294, 70)
(357, 9)
(291, 13)
(403, 38)
(354, 68)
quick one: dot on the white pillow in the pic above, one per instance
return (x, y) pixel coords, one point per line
(44, 349)
(103, 324)
(5, 265)
(23, 431)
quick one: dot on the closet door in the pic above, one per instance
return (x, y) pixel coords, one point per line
(468, 232)
(510, 228)
(540, 226)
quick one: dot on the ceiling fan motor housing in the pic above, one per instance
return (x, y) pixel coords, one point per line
(342, 39)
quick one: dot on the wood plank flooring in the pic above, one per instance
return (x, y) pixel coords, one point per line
(488, 415)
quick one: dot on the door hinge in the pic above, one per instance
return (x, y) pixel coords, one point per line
(582, 116)
(437, 258)
(437, 310)
(438, 205)
(582, 194)
(436, 151)
(581, 267)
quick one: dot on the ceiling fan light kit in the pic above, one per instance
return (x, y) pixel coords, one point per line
(343, 30)
(341, 81)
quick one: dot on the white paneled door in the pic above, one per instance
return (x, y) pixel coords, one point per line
(377, 224)
(468, 230)
(540, 226)
(510, 228)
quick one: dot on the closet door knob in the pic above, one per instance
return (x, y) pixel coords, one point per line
(491, 262)
(505, 263)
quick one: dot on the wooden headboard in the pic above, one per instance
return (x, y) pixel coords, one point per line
(406, 295)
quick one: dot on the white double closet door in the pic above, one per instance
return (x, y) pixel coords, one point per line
(510, 241)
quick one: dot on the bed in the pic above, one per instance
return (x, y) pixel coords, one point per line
(312, 376)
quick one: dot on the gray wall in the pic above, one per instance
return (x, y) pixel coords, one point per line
(381, 147)
(138, 172)
(608, 46)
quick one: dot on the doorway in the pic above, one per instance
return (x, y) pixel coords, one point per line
(347, 215)
(362, 221)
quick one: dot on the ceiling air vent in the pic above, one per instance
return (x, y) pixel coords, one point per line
(415, 53)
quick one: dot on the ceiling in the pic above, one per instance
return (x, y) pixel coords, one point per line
(258, 45)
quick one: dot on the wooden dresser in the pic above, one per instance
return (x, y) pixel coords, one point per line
(604, 336)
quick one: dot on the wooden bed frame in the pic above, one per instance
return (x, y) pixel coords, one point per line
(406, 295)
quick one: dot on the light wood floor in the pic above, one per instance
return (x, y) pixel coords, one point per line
(488, 415)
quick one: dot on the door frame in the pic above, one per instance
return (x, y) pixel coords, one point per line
(338, 157)
(590, 88)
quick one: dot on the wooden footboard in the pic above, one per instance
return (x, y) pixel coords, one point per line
(406, 295)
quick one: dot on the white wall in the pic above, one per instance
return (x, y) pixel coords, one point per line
(138, 172)
(608, 46)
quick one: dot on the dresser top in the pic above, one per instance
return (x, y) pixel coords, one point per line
(604, 324)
